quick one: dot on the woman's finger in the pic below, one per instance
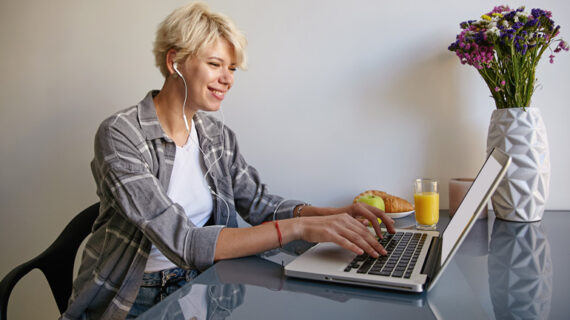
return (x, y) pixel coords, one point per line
(361, 236)
(365, 210)
(356, 240)
(371, 213)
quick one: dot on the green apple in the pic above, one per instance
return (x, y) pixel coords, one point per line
(374, 201)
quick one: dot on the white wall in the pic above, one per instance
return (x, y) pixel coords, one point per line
(340, 96)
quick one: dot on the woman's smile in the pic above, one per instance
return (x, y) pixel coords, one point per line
(209, 75)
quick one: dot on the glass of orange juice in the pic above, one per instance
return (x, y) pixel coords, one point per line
(426, 201)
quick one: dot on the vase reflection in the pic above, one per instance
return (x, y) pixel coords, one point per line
(520, 271)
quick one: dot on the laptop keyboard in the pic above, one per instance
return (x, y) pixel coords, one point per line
(403, 251)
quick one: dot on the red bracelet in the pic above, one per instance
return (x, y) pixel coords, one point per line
(278, 233)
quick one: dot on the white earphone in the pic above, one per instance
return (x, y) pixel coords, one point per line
(175, 66)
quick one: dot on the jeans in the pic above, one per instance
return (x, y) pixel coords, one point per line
(158, 285)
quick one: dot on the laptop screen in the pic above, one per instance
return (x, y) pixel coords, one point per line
(473, 202)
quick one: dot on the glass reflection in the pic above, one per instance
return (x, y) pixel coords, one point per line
(520, 271)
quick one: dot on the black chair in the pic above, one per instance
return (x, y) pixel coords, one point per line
(56, 262)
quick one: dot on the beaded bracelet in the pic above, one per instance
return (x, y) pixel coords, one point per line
(298, 213)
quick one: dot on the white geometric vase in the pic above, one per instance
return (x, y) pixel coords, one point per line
(522, 194)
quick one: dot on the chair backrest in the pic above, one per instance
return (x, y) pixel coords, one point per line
(56, 262)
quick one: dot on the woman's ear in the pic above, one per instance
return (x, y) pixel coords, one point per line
(170, 61)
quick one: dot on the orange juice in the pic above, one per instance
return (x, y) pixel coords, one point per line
(427, 208)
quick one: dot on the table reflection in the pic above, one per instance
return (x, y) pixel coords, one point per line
(267, 274)
(198, 302)
(222, 289)
(520, 271)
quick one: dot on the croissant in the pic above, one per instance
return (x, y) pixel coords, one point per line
(392, 203)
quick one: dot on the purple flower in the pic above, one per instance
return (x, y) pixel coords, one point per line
(499, 9)
(510, 16)
(562, 45)
(518, 25)
(466, 24)
(531, 23)
(536, 13)
(473, 49)
(520, 44)
(551, 58)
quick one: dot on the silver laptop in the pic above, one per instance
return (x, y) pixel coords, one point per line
(416, 259)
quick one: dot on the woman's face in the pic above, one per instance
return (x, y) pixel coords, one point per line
(209, 76)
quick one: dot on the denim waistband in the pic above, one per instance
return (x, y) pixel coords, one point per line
(163, 277)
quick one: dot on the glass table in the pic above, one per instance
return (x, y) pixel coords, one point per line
(503, 270)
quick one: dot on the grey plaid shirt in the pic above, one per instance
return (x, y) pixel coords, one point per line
(132, 167)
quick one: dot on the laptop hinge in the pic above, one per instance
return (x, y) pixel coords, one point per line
(432, 262)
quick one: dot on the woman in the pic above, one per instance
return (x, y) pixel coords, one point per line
(171, 180)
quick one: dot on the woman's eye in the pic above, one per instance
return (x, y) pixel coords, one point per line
(233, 69)
(214, 64)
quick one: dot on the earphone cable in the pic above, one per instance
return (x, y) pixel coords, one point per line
(198, 144)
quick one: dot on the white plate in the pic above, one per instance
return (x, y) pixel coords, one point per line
(397, 215)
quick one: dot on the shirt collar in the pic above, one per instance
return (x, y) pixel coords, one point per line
(148, 119)
(151, 128)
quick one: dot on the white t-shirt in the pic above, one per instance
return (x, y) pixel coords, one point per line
(187, 187)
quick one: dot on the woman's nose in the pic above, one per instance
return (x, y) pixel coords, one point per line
(227, 78)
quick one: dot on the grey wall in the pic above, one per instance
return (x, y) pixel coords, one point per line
(340, 96)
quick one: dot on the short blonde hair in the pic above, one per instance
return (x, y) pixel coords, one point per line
(190, 29)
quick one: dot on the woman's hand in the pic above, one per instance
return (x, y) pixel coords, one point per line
(341, 227)
(363, 212)
(371, 214)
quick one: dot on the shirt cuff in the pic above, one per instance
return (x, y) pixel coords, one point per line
(203, 246)
(285, 210)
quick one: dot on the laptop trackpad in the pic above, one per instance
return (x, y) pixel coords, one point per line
(325, 256)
